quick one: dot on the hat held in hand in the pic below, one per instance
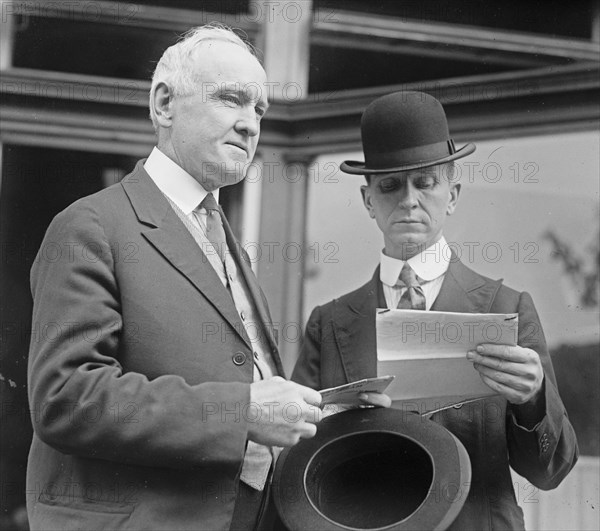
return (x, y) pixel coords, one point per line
(404, 131)
(373, 469)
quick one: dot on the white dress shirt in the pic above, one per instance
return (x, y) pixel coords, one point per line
(430, 266)
(187, 193)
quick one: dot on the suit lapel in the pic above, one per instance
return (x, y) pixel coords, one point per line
(465, 291)
(168, 236)
(354, 331)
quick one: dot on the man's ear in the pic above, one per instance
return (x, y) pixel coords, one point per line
(365, 190)
(162, 103)
(454, 193)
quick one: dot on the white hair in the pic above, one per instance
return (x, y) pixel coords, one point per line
(176, 67)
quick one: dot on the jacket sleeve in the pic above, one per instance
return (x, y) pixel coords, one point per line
(308, 367)
(547, 452)
(82, 401)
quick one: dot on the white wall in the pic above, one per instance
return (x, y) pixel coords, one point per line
(573, 506)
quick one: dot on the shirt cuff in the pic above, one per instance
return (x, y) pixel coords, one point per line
(529, 415)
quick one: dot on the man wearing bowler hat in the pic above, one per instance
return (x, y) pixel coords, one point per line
(411, 189)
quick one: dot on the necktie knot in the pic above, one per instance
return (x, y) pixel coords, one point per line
(408, 277)
(413, 298)
(209, 203)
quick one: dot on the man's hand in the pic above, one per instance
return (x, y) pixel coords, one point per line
(375, 399)
(514, 372)
(368, 400)
(282, 412)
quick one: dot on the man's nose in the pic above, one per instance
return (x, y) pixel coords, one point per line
(247, 122)
(408, 196)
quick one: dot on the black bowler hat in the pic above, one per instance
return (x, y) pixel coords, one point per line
(404, 131)
(373, 469)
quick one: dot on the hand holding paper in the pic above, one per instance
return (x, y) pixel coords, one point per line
(366, 392)
(427, 352)
(375, 399)
(514, 372)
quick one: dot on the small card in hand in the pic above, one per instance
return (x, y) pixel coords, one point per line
(347, 394)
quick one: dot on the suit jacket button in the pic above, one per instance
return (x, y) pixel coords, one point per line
(239, 358)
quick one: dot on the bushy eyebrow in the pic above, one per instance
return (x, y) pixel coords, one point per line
(244, 92)
(429, 173)
(414, 176)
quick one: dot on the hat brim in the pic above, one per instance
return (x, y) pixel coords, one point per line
(309, 494)
(355, 167)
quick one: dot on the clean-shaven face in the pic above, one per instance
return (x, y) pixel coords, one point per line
(215, 131)
(410, 208)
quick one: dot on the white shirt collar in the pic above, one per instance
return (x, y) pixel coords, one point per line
(428, 265)
(176, 183)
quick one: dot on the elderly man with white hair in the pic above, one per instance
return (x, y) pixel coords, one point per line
(159, 400)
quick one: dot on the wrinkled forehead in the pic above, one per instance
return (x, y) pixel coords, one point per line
(223, 65)
(220, 56)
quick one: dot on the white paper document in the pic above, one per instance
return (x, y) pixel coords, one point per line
(347, 394)
(426, 352)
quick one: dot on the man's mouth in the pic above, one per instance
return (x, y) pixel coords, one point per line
(239, 145)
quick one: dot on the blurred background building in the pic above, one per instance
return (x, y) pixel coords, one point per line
(518, 78)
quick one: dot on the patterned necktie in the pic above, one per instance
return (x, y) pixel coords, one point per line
(413, 298)
(214, 225)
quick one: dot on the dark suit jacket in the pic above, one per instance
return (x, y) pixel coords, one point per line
(139, 372)
(340, 347)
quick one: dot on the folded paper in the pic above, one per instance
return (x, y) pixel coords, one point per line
(426, 352)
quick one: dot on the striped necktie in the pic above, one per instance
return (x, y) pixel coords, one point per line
(413, 298)
(214, 225)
